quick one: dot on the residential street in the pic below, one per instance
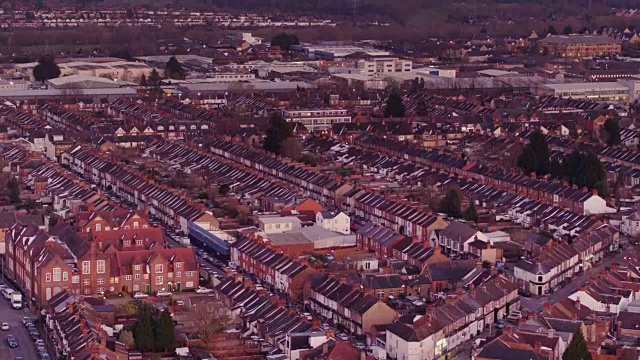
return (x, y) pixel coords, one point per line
(26, 347)
(536, 304)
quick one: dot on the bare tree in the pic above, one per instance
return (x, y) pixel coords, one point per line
(209, 319)
(291, 148)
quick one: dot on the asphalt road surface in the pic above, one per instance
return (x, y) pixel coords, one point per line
(26, 348)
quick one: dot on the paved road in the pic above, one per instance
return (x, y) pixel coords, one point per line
(535, 304)
(26, 347)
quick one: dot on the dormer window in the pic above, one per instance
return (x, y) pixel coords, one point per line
(136, 225)
(127, 243)
(98, 227)
(139, 242)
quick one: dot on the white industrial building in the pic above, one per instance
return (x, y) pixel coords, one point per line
(597, 91)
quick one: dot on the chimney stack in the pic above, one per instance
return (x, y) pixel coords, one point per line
(550, 333)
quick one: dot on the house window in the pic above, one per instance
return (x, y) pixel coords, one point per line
(178, 274)
(47, 277)
(540, 279)
(117, 280)
(159, 280)
(100, 268)
(189, 284)
(137, 267)
(48, 293)
(159, 269)
(137, 276)
(128, 277)
(107, 228)
(65, 276)
(100, 281)
(139, 242)
(85, 282)
(75, 279)
(380, 294)
(145, 276)
(56, 274)
(86, 267)
(127, 243)
(179, 265)
(189, 273)
(136, 225)
(98, 227)
(136, 287)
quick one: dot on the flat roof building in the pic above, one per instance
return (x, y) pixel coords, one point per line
(580, 45)
(598, 91)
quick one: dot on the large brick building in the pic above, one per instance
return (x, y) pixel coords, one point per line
(579, 46)
(44, 263)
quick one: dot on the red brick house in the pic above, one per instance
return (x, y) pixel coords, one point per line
(45, 263)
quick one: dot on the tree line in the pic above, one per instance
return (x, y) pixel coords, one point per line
(579, 168)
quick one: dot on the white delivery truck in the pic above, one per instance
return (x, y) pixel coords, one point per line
(16, 300)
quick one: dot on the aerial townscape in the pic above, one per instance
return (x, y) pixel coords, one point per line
(320, 180)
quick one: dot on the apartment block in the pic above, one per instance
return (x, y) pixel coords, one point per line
(384, 65)
(317, 119)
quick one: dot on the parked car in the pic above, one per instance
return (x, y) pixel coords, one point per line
(140, 295)
(501, 324)
(343, 337)
(329, 257)
(307, 316)
(203, 290)
(25, 320)
(11, 340)
(5, 326)
(7, 293)
(163, 293)
(359, 346)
